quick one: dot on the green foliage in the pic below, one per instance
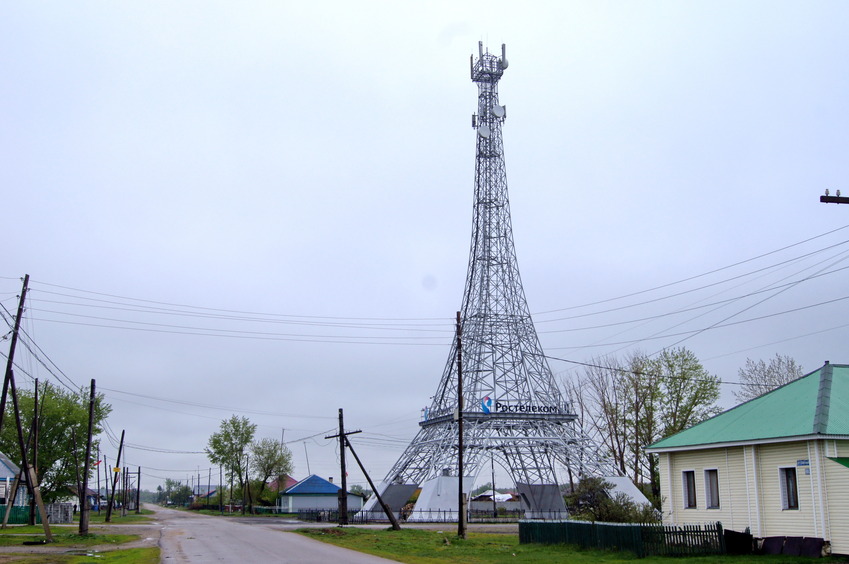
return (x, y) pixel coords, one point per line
(228, 447)
(594, 500)
(63, 428)
(635, 402)
(268, 458)
(359, 490)
(176, 492)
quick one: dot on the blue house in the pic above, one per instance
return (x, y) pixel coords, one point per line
(8, 471)
(314, 492)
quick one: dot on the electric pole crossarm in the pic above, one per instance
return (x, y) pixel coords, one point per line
(834, 199)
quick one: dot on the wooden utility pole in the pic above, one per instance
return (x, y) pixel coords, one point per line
(12, 345)
(343, 493)
(117, 469)
(9, 386)
(461, 498)
(34, 443)
(138, 492)
(97, 470)
(386, 509)
(84, 505)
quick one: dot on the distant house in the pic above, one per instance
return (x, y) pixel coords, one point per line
(91, 497)
(777, 464)
(276, 485)
(315, 492)
(205, 493)
(8, 471)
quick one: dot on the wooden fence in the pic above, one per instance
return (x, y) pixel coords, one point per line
(641, 539)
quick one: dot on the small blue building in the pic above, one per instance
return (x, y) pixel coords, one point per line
(314, 492)
(8, 471)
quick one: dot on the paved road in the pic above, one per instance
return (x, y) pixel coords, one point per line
(188, 538)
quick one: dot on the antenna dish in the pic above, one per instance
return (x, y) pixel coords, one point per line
(498, 111)
(484, 131)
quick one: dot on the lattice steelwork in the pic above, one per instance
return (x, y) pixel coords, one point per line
(513, 409)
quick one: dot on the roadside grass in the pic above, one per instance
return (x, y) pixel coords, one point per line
(417, 546)
(29, 534)
(128, 556)
(131, 517)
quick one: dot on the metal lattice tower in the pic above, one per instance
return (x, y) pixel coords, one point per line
(513, 410)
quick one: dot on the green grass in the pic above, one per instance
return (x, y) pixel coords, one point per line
(131, 517)
(416, 546)
(129, 556)
(64, 539)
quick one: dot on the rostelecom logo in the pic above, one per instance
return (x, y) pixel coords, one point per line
(486, 404)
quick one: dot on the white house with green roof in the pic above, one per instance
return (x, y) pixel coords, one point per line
(777, 464)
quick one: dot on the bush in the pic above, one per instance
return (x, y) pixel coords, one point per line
(592, 500)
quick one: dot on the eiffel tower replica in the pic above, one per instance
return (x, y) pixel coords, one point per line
(514, 413)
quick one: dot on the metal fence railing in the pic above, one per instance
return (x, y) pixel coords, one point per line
(641, 539)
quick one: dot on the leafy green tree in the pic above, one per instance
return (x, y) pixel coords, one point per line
(63, 428)
(688, 392)
(180, 494)
(229, 447)
(268, 458)
(628, 404)
(758, 378)
(359, 490)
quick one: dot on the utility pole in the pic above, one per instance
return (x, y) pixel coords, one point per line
(34, 431)
(98, 472)
(117, 469)
(84, 506)
(12, 345)
(343, 492)
(9, 386)
(461, 498)
(138, 493)
(389, 514)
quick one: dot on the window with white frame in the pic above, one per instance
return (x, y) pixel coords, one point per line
(712, 488)
(789, 490)
(689, 482)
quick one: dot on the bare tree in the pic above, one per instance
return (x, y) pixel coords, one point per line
(759, 377)
(637, 401)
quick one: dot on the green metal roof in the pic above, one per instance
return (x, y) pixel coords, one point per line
(815, 404)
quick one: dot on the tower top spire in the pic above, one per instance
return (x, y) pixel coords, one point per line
(488, 67)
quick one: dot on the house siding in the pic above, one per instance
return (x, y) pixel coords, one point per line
(836, 479)
(730, 467)
(777, 520)
(750, 489)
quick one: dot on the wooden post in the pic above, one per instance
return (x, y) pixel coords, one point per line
(386, 509)
(115, 480)
(84, 505)
(461, 497)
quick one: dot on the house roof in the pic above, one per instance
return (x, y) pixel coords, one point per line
(815, 404)
(287, 482)
(10, 467)
(313, 485)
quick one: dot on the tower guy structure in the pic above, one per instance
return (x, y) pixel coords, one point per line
(513, 411)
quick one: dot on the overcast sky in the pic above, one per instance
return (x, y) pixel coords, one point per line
(265, 208)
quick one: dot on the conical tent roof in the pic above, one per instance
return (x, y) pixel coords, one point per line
(815, 404)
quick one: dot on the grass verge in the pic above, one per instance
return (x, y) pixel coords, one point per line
(416, 546)
(64, 539)
(129, 556)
